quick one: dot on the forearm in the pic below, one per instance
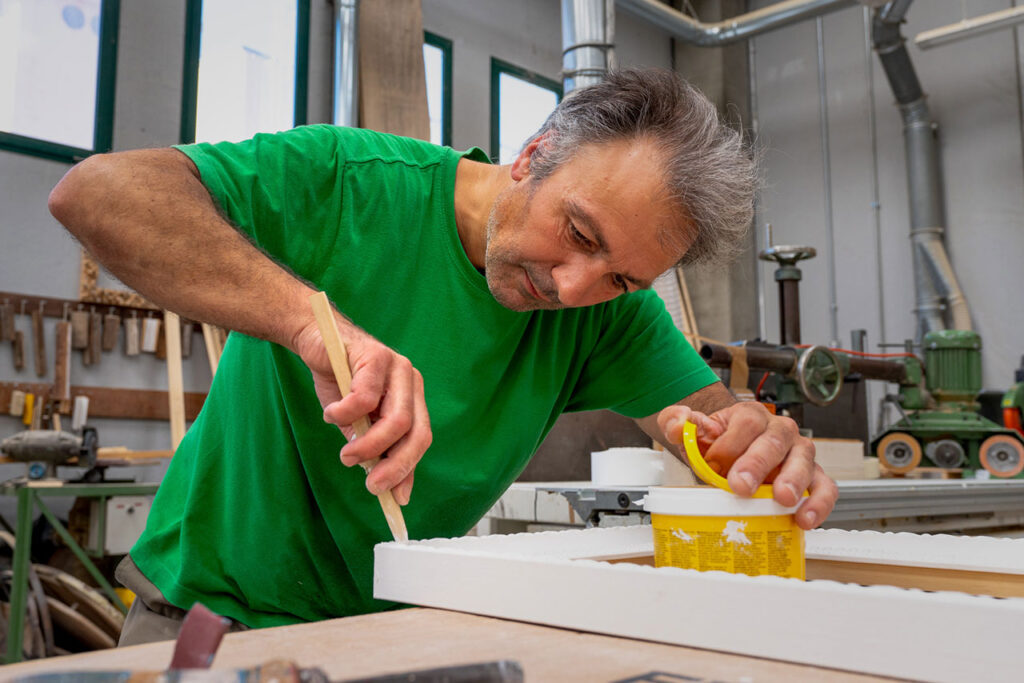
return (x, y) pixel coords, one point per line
(147, 217)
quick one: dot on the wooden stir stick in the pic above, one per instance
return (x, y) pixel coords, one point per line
(339, 363)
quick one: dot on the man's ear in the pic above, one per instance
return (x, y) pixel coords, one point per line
(521, 164)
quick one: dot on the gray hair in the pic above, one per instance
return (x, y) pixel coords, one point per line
(709, 172)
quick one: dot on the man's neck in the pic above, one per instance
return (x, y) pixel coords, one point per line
(477, 186)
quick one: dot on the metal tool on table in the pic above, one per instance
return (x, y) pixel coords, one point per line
(44, 449)
(343, 376)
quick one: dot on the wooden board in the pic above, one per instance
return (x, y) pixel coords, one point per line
(410, 639)
(392, 85)
(546, 578)
(175, 390)
(139, 404)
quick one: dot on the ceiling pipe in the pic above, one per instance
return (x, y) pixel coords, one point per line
(934, 278)
(346, 63)
(969, 28)
(741, 27)
(588, 30)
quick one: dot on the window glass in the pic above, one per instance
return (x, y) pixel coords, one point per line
(521, 101)
(433, 63)
(246, 68)
(49, 63)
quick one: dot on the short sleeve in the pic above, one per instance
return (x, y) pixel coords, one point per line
(283, 190)
(641, 362)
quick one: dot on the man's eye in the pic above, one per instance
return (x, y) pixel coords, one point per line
(578, 236)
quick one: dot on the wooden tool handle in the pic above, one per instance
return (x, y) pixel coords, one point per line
(343, 376)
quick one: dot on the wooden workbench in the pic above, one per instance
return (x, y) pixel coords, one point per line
(417, 638)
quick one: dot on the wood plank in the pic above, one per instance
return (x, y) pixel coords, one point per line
(411, 639)
(175, 386)
(132, 404)
(392, 85)
(922, 578)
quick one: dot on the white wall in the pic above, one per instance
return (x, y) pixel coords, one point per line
(527, 34)
(974, 92)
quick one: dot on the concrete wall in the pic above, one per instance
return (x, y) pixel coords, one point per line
(974, 91)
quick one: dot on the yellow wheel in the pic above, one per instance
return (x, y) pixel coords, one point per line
(899, 452)
(1002, 455)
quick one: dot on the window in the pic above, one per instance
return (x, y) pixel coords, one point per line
(520, 103)
(57, 69)
(437, 62)
(245, 71)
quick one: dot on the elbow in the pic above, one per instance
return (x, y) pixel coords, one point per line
(65, 197)
(69, 200)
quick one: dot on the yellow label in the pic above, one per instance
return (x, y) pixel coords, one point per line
(740, 545)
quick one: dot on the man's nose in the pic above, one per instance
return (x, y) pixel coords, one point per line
(578, 281)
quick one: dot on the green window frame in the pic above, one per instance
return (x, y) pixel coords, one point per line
(445, 46)
(499, 67)
(190, 76)
(103, 124)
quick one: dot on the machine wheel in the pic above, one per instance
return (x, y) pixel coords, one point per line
(947, 453)
(899, 452)
(819, 375)
(1002, 455)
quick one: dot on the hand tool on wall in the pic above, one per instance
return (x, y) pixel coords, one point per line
(150, 334)
(39, 341)
(26, 415)
(339, 364)
(62, 364)
(18, 350)
(132, 345)
(111, 329)
(6, 321)
(17, 404)
(187, 328)
(92, 353)
(79, 329)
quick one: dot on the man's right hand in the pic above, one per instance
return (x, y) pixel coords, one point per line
(388, 390)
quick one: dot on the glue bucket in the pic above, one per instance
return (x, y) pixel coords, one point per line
(710, 529)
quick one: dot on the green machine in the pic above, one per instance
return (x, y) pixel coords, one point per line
(940, 425)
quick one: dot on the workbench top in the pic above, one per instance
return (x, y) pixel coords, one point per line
(417, 638)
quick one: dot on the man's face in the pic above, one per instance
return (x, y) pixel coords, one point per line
(583, 235)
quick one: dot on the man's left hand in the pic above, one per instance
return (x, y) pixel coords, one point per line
(750, 445)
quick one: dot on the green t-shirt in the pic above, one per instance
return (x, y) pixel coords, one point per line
(256, 517)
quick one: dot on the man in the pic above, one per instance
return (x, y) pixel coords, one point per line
(477, 303)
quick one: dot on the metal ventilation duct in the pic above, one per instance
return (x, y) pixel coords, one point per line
(731, 30)
(588, 30)
(346, 63)
(934, 278)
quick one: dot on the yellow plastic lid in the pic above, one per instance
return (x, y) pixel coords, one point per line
(703, 470)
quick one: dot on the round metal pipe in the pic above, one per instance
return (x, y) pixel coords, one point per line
(586, 42)
(731, 30)
(784, 359)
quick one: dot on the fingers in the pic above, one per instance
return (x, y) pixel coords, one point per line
(672, 419)
(395, 471)
(818, 506)
(387, 390)
(754, 445)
